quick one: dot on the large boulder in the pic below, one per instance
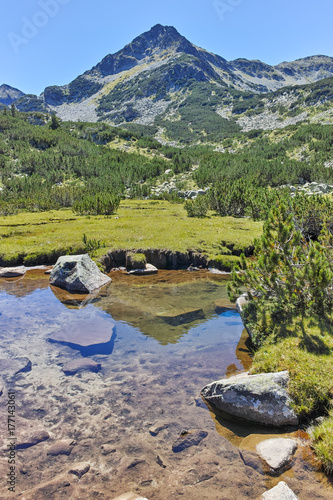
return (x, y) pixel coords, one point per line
(77, 273)
(259, 398)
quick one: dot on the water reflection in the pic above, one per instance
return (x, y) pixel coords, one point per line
(166, 307)
(91, 333)
(25, 285)
(151, 373)
(75, 300)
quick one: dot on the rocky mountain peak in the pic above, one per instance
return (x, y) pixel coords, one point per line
(151, 43)
(9, 94)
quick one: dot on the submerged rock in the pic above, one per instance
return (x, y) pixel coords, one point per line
(61, 448)
(277, 452)
(158, 427)
(81, 365)
(252, 460)
(107, 449)
(12, 366)
(75, 300)
(78, 273)
(79, 469)
(259, 398)
(279, 492)
(191, 439)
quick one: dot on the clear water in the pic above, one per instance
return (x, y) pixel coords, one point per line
(166, 337)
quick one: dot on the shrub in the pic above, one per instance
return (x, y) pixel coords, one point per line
(99, 204)
(197, 208)
(90, 246)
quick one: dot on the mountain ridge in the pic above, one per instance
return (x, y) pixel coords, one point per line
(9, 94)
(153, 79)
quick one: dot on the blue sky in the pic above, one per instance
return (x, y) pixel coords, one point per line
(50, 42)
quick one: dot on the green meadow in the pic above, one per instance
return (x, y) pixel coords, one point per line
(36, 238)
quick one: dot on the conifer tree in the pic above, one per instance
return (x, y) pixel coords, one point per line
(54, 122)
(290, 274)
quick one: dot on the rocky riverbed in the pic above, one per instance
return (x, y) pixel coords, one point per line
(102, 423)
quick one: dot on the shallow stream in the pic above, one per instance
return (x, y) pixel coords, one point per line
(162, 338)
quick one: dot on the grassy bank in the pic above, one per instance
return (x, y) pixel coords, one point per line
(304, 347)
(34, 238)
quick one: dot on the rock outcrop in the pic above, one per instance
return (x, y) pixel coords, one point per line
(77, 273)
(259, 398)
(9, 94)
(135, 261)
(240, 304)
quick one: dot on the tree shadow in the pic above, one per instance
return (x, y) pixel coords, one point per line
(314, 343)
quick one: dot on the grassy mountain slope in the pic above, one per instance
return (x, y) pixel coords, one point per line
(41, 168)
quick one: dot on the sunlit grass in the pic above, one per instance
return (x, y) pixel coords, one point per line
(136, 225)
(305, 348)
